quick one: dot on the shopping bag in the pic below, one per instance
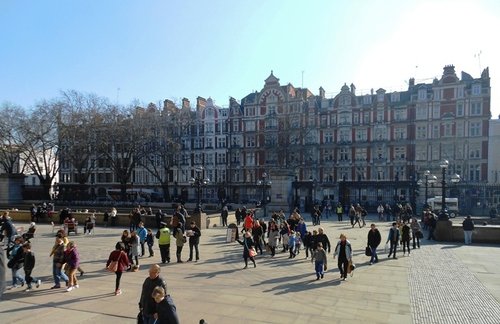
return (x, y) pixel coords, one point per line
(386, 248)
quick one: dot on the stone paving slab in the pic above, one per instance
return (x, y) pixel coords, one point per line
(279, 290)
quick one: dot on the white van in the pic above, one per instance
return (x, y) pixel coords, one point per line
(451, 204)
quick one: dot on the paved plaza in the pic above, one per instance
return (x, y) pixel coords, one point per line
(439, 283)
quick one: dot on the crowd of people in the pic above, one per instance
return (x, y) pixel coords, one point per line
(280, 234)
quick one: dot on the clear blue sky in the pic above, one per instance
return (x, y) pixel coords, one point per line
(156, 50)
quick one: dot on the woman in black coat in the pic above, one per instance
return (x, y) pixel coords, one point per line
(374, 239)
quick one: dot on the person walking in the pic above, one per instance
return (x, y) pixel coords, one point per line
(431, 226)
(323, 239)
(194, 234)
(163, 236)
(224, 214)
(352, 215)
(374, 239)
(134, 250)
(57, 262)
(405, 237)
(147, 304)
(272, 237)
(113, 216)
(468, 227)
(142, 233)
(344, 251)
(380, 212)
(121, 259)
(248, 249)
(393, 238)
(167, 312)
(16, 261)
(416, 232)
(320, 261)
(72, 258)
(150, 241)
(29, 265)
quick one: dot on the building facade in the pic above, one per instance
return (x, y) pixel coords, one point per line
(370, 148)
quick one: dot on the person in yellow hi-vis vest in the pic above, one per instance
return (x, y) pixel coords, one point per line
(163, 236)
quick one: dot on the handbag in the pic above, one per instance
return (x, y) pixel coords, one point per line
(419, 234)
(113, 265)
(252, 252)
(368, 251)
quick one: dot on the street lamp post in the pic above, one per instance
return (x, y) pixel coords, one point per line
(198, 182)
(429, 179)
(264, 183)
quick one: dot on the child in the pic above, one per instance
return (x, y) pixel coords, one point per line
(298, 243)
(16, 261)
(319, 256)
(165, 307)
(29, 264)
(150, 240)
(291, 244)
(134, 250)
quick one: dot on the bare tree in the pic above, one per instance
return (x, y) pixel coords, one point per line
(12, 143)
(162, 142)
(41, 143)
(80, 115)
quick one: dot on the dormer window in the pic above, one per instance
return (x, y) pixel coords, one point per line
(476, 89)
(380, 97)
(422, 94)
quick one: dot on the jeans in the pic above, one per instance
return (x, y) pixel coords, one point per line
(319, 268)
(406, 244)
(343, 264)
(195, 246)
(151, 252)
(29, 278)
(468, 237)
(374, 257)
(418, 241)
(394, 247)
(16, 277)
(58, 274)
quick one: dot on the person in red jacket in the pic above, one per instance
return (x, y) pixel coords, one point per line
(121, 257)
(248, 222)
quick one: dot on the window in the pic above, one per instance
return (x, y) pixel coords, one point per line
(436, 111)
(344, 154)
(250, 126)
(380, 97)
(271, 140)
(198, 143)
(421, 153)
(476, 89)
(421, 111)
(221, 158)
(271, 156)
(367, 99)
(250, 158)
(328, 137)
(460, 109)
(209, 158)
(475, 129)
(324, 121)
(475, 109)
(235, 157)
(448, 129)
(395, 97)
(221, 142)
(380, 116)
(250, 141)
(249, 111)
(435, 131)
(366, 118)
(312, 120)
(355, 118)
(421, 132)
(271, 123)
(400, 133)
(295, 123)
(400, 114)
(271, 110)
(361, 135)
(399, 152)
(380, 134)
(345, 135)
(474, 151)
(236, 126)
(361, 154)
(474, 172)
(209, 142)
(345, 119)
(327, 155)
(380, 153)
(460, 92)
(198, 158)
(422, 94)
(437, 95)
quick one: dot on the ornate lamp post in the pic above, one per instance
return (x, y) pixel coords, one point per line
(429, 179)
(454, 179)
(198, 182)
(264, 183)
